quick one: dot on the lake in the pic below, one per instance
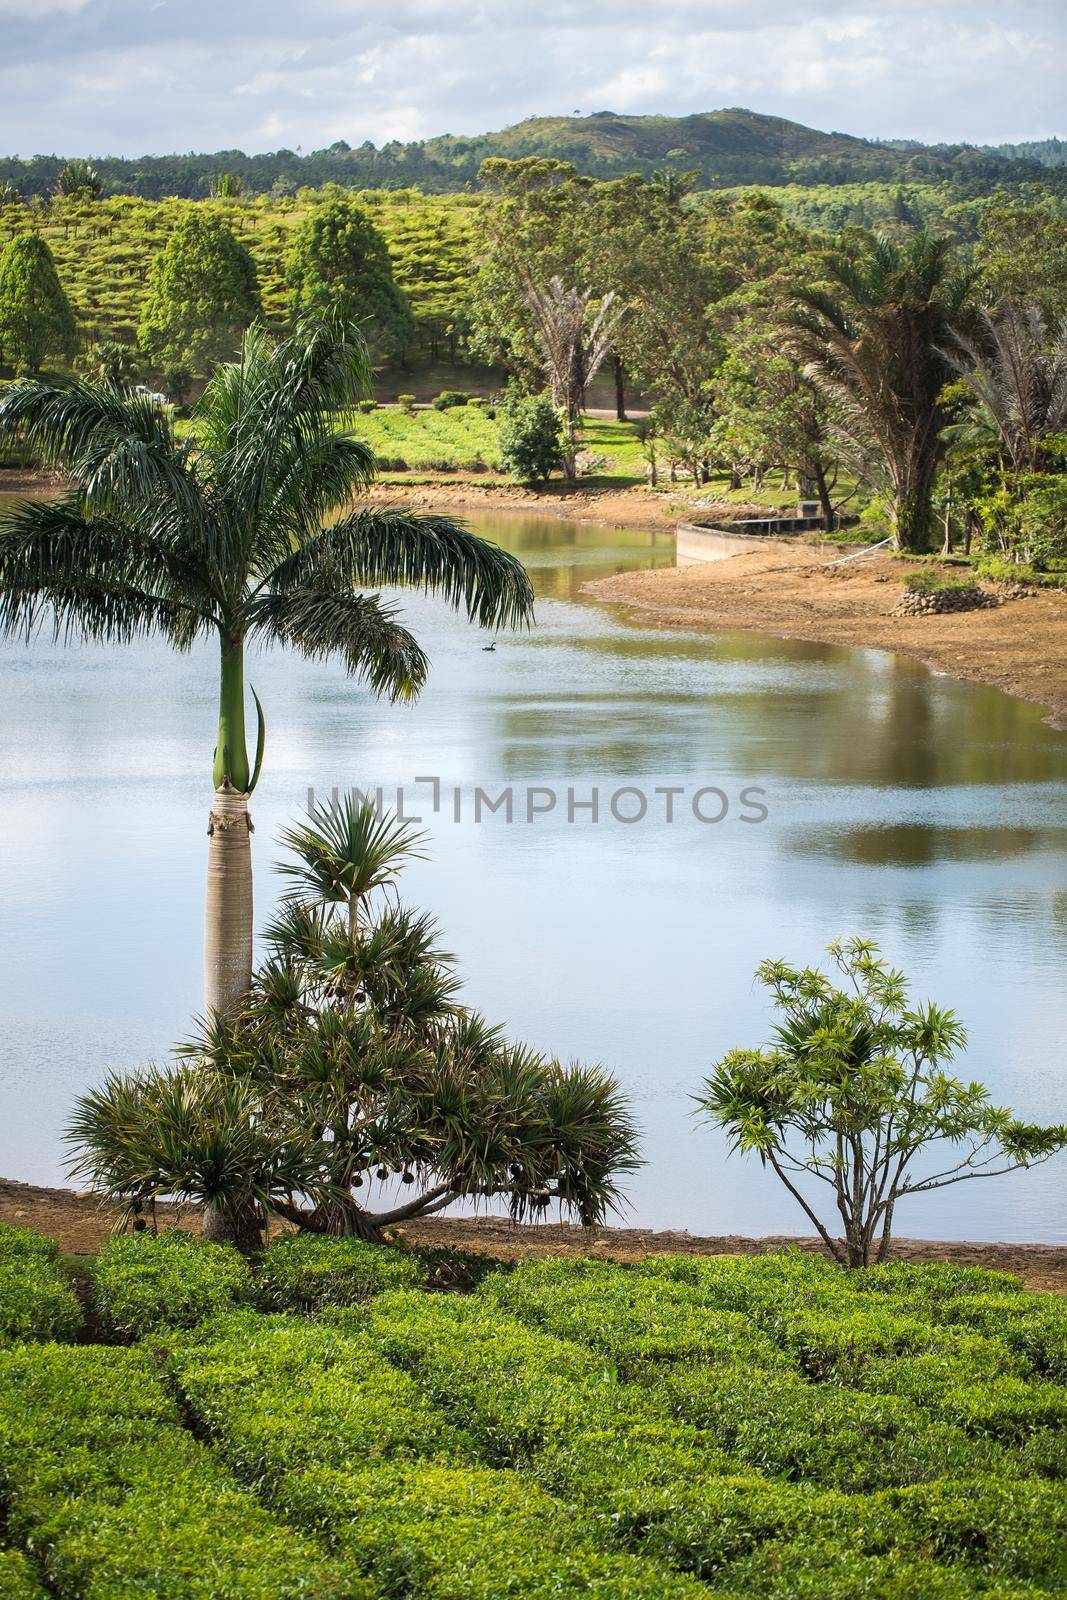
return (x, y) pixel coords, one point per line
(929, 813)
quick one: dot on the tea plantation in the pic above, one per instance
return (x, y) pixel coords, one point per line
(329, 1422)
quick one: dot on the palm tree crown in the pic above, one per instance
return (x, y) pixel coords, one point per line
(245, 532)
(873, 337)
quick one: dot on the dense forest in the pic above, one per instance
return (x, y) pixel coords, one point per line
(723, 148)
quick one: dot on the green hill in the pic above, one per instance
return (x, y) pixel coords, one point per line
(725, 147)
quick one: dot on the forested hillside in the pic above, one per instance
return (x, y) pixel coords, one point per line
(723, 147)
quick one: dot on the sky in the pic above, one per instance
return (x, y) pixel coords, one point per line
(131, 77)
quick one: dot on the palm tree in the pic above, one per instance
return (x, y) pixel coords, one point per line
(249, 534)
(1015, 374)
(873, 337)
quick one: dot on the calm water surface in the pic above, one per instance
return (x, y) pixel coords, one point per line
(929, 813)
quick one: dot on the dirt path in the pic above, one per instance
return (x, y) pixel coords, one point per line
(81, 1224)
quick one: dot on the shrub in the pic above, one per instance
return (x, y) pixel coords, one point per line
(470, 1534)
(307, 1271)
(278, 1393)
(36, 1299)
(631, 1319)
(301, 1409)
(531, 437)
(829, 1435)
(18, 1579)
(406, 402)
(23, 1242)
(144, 1281)
(1008, 1526)
(449, 398)
(367, 406)
(116, 1498)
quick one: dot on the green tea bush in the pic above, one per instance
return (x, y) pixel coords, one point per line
(1009, 1527)
(36, 1299)
(826, 1570)
(367, 406)
(822, 1433)
(406, 402)
(306, 1272)
(631, 1319)
(278, 1392)
(143, 1282)
(449, 398)
(116, 1498)
(328, 1430)
(19, 1243)
(469, 1534)
(18, 1578)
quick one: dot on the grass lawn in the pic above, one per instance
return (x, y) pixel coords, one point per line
(318, 1424)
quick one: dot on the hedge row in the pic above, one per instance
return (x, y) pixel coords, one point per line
(671, 1491)
(116, 1498)
(635, 1321)
(36, 1299)
(145, 1282)
(18, 1577)
(346, 1445)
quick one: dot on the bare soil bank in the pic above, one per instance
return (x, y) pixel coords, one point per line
(794, 591)
(81, 1223)
(1019, 646)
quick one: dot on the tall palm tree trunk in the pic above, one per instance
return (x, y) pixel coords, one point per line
(228, 901)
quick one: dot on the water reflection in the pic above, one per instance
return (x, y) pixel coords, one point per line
(929, 813)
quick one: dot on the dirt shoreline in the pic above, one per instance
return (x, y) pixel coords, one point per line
(793, 591)
(81, 1222)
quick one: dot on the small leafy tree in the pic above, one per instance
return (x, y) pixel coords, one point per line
(227, 186)
(340, 258)
(35, 316)
(853, 1093)
(202, 295)
(531, 436)
(110, 362)
(354, 1065)
(77, 180)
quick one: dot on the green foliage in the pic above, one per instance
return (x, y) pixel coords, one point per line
(339, 257)
(202, 295)
(406, 402)
(345, 1446)
(36, 1299)
(459, 439)
(307, 1273)
(78, 180)
(144, 1282)
(449, 398)
(932, 580)
(18, 1578)
(531, 436)
(116, 1498)
(35, 316)
(854, 1090)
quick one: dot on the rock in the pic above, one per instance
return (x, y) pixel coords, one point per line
(936, 602)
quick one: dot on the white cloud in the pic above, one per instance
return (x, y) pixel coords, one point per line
(123, 77)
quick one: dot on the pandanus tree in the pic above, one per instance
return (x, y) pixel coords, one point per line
(873, 335)
(252, 533)
(353, 1090)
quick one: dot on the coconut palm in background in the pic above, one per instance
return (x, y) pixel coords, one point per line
(873, 336)
(249, 535)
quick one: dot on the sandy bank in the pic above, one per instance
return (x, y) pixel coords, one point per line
(81, 1224)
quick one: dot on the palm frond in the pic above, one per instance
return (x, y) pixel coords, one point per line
(321, 620)
(430, 552)
(95, 577)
